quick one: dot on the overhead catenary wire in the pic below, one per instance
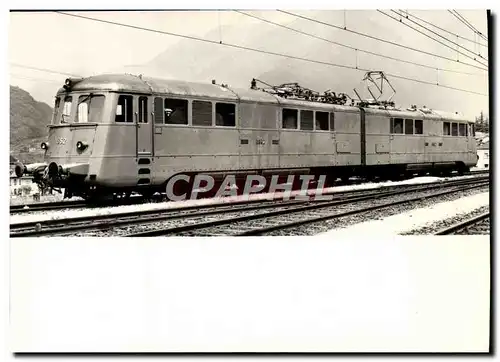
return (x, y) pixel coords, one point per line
(441, 36)
(236, 46)
(356, 49)
(43, 69)
(446, 31)
(464, 21)
(34, 79)
(430, 37)
(382, 40)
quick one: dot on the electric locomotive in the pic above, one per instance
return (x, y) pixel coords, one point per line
(118, 134)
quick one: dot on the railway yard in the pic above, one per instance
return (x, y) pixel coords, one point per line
(440, 206)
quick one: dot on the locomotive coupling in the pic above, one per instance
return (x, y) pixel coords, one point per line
(51, 171)
(31, 169)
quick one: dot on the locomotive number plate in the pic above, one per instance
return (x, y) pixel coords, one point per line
(61, 141)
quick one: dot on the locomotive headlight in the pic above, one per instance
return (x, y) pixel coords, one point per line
(80, 146)
(69, 82)
(44, 146)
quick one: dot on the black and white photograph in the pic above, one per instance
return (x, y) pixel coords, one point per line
(336, 138)
(302, 127)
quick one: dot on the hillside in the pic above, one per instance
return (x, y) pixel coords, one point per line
(28, 119)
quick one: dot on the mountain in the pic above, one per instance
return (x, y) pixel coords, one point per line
(28, 118)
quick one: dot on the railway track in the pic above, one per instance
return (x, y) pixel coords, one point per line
(76, 204)
(194, 217)
(72, 204)
(47, 206)
(268, 222)
(479, 224)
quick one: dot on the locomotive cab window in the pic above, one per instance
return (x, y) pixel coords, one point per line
(66, 113)
(225, 114)
(454, 129)
(202, 113)
(290, 118)
(83, 109)
(419, 126)
(306, 120)
(124, 109)
(446, 129)
(408, 126)
(397, 125)
(176, 111)
(322, 121)
(90, 108)
(461, 129)
(143, 110)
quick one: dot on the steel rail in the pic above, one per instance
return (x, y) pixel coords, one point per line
(463, 224)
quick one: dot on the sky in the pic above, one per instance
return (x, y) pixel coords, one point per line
(66, 44)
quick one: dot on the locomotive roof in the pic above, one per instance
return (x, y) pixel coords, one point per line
(134, 84)
(139, 84)
(418, 113)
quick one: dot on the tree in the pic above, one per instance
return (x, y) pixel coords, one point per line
(482, 124)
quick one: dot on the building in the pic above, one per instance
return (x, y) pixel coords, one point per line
(22, 185)
(483, 153)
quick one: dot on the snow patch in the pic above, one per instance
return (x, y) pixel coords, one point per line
(414, 219)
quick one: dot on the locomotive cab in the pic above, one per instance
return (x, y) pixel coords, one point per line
(71, 137)
(99, 130)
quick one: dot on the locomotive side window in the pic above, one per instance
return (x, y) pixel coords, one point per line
(56, 109)
(466, 130)
(202, 113)
(124, 109)
(473, 129)
(68, 101)
(454, 129)
(332, 121)
(446, 129)
(306, 120)
(461, 129)
(143, 110)
(397, 125)
(322, 121)
(225, 114)
(290, 118)
(419, 126)
(176, 111)
(408, 126)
